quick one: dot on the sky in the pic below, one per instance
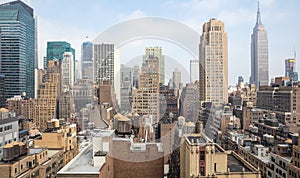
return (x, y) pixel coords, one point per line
(73, 20)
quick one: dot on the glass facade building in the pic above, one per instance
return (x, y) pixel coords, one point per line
(56, 50)
(17, 57)
(87, 60)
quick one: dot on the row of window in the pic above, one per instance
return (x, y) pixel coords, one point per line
(5, 128)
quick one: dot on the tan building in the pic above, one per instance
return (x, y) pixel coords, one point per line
(63, 138)
(145, 99)
(21, 106)
(36, 163)
(200, 157)
(45, 106)
(213, 67)
(294, 166)
(283, 100)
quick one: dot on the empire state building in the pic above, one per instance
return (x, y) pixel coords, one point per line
(259, 54)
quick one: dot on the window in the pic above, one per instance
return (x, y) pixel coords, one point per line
(202, 155)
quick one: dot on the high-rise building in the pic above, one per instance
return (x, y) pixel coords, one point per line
(45, 106)
(136, 74)
(67, 72)
(259, 54)
(213, 65)
(145, 99)
(103, 62)
(157, 52)
(56, 50)
(17, 61)
(176, 78)
(290, 67)
(126, 84)
(87, 60)
(194, 70)
(82, 93)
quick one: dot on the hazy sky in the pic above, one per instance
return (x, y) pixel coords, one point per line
(72, 20)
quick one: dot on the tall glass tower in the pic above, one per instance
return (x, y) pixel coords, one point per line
(56, 50)
(17, 49)
(87, 60)
(259, 54)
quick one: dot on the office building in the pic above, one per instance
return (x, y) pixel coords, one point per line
(126, 78)
(9, 131)
(103, 62)
(56, 50)
(189, 102)
(82, 93)
(213, 65)
(259, 54)
(283, 100)
(17, 61)
(290, 70)
(194, 70)
(45, 106)
(176, 78)
(152, 52)
(67, 72)
(87, 60)
(145, 99)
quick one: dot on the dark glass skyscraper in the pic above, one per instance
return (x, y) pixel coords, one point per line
(56, 49)
(17, 57)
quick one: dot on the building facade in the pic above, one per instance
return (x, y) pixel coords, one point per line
(87, 60)
(56, 50)
(103, 62)
(259, 54)
(213, 65)
(145, 99)
(290, 67)
(194, 70)
(176, 78)
(17, 61)
(152, 52)
(67, 72)
(126, 78)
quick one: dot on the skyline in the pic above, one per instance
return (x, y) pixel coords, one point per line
(239, 19)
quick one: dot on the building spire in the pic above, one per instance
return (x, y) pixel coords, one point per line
(258, 18)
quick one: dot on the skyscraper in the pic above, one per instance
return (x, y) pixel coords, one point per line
(176, 78)
(17, 60)
(194, 70)
(259, 54)
(56, 50)
(103, 62)
(126, 78)
(213, 63)
(145, 99)
(290, 67)
(67, 72)
(157, 52)
(87, 60)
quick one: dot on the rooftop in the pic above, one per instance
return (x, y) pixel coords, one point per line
(82, 163)
(236, 165)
